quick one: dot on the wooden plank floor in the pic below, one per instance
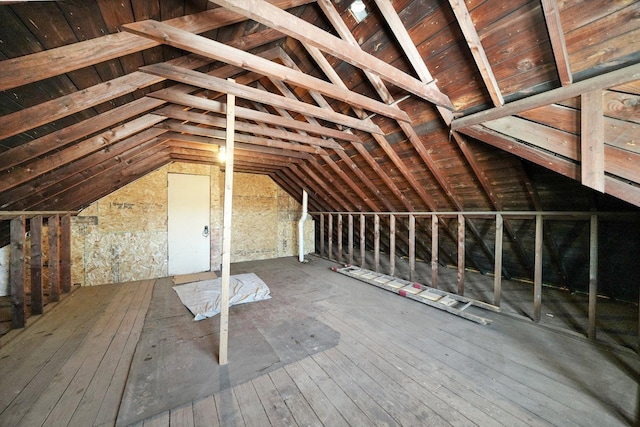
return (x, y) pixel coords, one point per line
(397, 362)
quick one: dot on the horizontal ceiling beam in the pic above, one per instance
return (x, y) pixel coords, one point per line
(205, 81)
(603, 81)
(219, 51)
(175, 112)
(276, 18)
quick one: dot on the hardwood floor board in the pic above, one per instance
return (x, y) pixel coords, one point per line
(181, 416)
(343, 403)
(379, 361)
(251, 408)
(293, 398)
(272, 402)
(318, 401)
(404, 407)
(548, 380)
(205, 413)
(109, 408)
(484, 375)
(97, 390)
(89, 363)
(160, 420)
(55, 386)
(228, 410)
(354, 391)
(31, 359)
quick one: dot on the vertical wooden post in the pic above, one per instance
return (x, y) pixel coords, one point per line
(35, 231)
(54, 258)
(461, 254)
(363, 241)
(330, 237)
(497, 268)
(340, 238)
(392, 245)
(350, 238)
(321, 234)
(226, 229)
(376, 242)
(593, 276)
(435, 244)
(537, 275)
(65, 253)
(592, 140)
(412, 247)
(17, 271)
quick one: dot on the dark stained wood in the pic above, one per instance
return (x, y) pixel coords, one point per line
(435, 244)
(537, 279)
(339, 236)
(65, 253)
(330, 238)
(17, 271)
(36, 253)
(350, 238)
(497, 277)
(556, 37)
(412, 247)
(461, 253)
(392, 244)
(53, 263)
(363, 240)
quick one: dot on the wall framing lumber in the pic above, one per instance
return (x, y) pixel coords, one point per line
(53, 224)
(65, 253)
(537, 278)
(435, 245)
(593, 276)
(592, 150)
(226, 231)
(497, 277)
(17, 271)
(35, 234)
(461, 253)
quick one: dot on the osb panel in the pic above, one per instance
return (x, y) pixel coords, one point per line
(123, 257)
(139, 206)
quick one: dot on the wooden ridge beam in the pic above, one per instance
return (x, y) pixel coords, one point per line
(215, 50)
(49, 63)
(305, 32)
(205, 81)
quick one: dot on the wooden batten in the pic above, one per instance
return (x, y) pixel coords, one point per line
(65, 253)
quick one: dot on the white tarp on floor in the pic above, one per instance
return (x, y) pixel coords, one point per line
(203, 298)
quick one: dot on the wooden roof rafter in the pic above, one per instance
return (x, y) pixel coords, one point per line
(279, 19)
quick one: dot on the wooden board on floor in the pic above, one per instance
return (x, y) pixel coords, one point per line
(193, 277)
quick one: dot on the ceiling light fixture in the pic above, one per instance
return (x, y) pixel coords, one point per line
(358, 10)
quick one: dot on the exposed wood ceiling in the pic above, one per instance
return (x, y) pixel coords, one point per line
(424, 106)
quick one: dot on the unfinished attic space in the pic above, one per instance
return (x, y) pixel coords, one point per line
(319, 212)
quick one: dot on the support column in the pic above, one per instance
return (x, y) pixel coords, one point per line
(226, 230)
(376, 242)
(461, 254)
(593, 276)
(65, 253)
(340, 238)
(350, 238)
(392, 244)
(330, 238)
(497, 269)
(537, 276)
(35, 231)
(363, 241)
(435, 244)
(17, 271)
(54, 258)
(412, 247)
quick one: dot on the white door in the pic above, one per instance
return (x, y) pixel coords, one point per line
(188, 224)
